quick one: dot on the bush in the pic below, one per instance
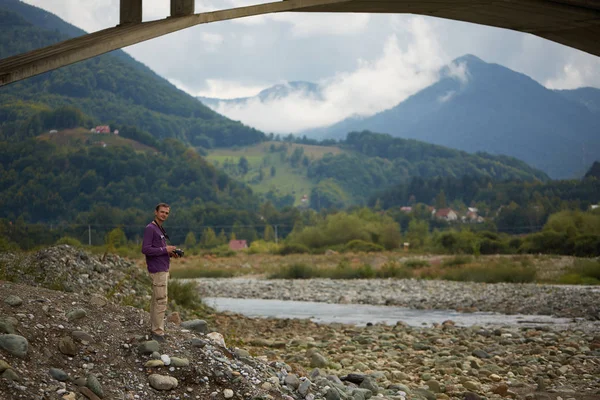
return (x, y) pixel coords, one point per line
(361, 245)
(201, 272)
(548, 242)
(293, 248)
(71, 241)
(456, 261)
(415, 263)
(222, 251)
(394, 270)
(585, 245)
(496, 274)
(491, 246)
(295, 271)
(184, 294)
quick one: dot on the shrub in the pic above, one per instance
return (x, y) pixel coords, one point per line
(585, 245)
(361, 245)
(293, 248)
(185, 294)
(294, 271)
(71, 241)
(416, 263)
(222, 251)
(491, 246)
(394, 270)
(201, 272)
(496, 274)
(549, 242)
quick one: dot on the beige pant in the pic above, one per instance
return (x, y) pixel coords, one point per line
(158, 303)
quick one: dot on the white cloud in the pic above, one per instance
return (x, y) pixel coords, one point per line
(372, 87)
(459, 72)
(223, 89)
(447, 96)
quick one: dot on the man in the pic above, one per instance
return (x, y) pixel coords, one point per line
(158, 254)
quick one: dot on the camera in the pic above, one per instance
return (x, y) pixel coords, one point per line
(179, 252)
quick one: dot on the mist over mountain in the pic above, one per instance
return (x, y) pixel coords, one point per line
(478, 106)
(273, 93)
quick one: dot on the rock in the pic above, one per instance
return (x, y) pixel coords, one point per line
(67, 346)
(228, 393)
(162, 382)
(59, 374)
(292, 381)
(148, 347)
(98, 301)
(76, 314)
(14, 344)
(318, 361)
(304, 387)
(174, 318)
(154, 363)
(216, 338)
(10, 375)
(82, 336)
(179, 362)
(166, 359)
(196, 325)
(6, 327)
(88, 393)
(93, 384)
(13, 301)
(4, 365)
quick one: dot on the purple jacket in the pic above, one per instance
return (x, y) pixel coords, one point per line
(154, 246)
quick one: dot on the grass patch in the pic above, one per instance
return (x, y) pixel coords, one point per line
(583, 272)
(394, 270)
(491, 274)
(201, 272)
(457, 261)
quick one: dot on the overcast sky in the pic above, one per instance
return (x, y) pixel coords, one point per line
(365, 62)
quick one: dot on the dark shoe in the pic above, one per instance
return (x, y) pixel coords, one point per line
(158, 338)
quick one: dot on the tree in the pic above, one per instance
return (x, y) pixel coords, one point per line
(273, 171)
(208, 239)
(243, 165)
(190, 240)
(269, 234)
(116, 238)
(417, 233)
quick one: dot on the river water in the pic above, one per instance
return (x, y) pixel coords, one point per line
(361, 314)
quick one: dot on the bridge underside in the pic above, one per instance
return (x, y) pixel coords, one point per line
(575, 23)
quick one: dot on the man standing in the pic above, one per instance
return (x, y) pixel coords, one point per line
(158, 255)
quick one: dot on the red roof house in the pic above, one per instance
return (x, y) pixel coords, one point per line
(236, 245)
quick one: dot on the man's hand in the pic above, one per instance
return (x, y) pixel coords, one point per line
(170, 250)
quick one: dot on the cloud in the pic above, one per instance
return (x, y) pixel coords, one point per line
(372, 87)
(223, 89)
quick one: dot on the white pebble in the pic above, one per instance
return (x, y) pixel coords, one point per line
(228, 393)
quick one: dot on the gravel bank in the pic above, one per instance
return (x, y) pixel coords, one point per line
(559, 301)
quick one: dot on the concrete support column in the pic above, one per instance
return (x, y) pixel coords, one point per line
(182, 7)
(130, 12)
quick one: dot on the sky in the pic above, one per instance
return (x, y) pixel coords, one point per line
(365, 63)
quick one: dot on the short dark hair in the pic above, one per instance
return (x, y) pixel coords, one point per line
(159, 205)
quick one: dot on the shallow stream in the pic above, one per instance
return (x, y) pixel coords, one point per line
(361, 314)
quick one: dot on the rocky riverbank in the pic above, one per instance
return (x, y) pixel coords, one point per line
(533, 299)
(80, 344)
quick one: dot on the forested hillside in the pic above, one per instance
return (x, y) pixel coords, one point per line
(347, 172)
(109, 89)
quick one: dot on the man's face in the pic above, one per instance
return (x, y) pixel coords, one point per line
(162, 213)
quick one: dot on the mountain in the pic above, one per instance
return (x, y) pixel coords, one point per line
(109, 89)
(478, 106)
(587, 96)
(273, 93)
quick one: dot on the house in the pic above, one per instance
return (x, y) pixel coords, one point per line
(406, 209)
(472, 217)
(594, 206)
(116, 132)
(102, 129)
(446, 214)
(304, 198)
(53, 131)
(237, 245)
